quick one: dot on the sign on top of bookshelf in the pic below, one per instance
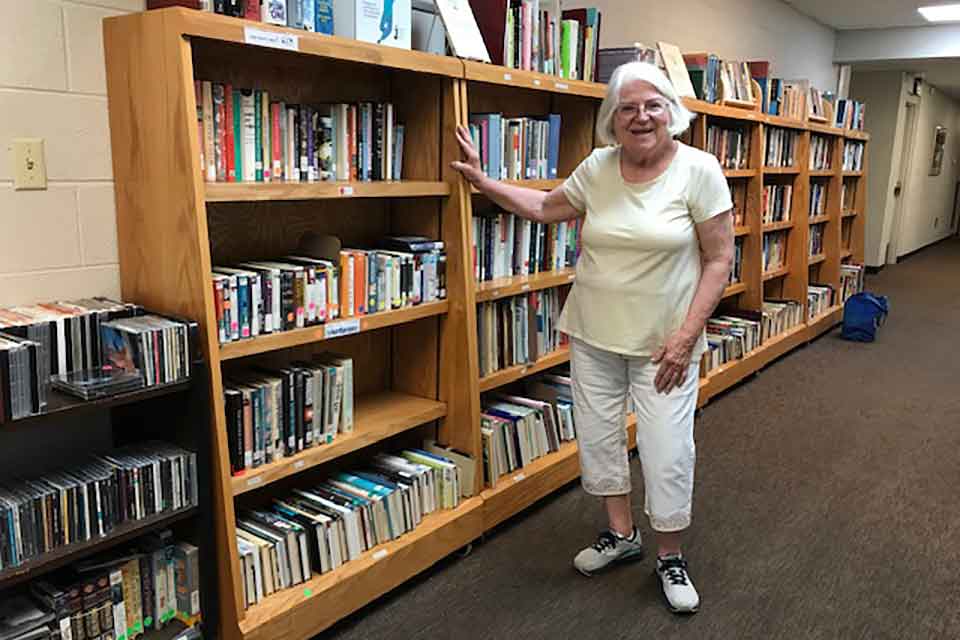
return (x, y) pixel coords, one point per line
(462, 30)
(272, 39)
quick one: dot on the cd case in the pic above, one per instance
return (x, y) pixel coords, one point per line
(89, 384)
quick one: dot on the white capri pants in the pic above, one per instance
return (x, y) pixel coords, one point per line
(600, 382)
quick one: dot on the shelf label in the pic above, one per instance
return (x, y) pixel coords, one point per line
(571, 277)
(525, 287)
(561, 85)
(519, 477)
(299, 464)
(346, 191)
(524, 370)
(536, 82)
(342, 328)
(508, 76)
(380, 555)
(253, 482)
(272, 39)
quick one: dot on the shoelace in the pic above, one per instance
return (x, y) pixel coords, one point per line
(675, 569)
(605, 540)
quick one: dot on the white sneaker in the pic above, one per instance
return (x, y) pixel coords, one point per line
(676, 585)
(609, 549)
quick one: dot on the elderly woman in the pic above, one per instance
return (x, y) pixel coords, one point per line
(657, 250)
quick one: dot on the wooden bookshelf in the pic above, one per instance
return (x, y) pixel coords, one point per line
(777, 226)
(819, 219)
(541, 185)
(416, 369)
(853, 174)
(849, 213)
(816, 259)
(821, 173)
(505, 287)
(338, 328)
(275, 191)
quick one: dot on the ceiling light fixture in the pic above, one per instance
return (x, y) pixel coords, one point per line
(941, 13)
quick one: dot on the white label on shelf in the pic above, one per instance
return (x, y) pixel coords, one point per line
(536, 82)
(525, 287)
(561, 85)
(519, 477)
(508, 76)
(380, 555)
(572, 276)
(342, 328)
(524, 370)
(346, 191)
(299, 464)
(252, 482)
(272, 39)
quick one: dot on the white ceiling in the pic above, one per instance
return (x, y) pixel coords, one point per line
(864, 14)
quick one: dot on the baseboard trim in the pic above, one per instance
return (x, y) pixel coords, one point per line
(924, 247)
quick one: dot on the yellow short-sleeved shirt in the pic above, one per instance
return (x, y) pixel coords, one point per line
(639, 263)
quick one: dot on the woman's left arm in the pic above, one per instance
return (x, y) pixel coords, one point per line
(716, 254)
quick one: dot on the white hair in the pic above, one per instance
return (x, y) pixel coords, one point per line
(680, 116)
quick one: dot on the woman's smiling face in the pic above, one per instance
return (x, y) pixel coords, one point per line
(641, 118)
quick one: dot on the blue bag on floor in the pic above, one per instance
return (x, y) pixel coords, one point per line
(863, 313)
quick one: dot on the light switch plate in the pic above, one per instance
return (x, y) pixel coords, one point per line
(29, 164)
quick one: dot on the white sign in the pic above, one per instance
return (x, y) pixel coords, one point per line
(462, 30)
(272, 39)
(344, 328)
(252, 482)
(519, 477)
(379, 555)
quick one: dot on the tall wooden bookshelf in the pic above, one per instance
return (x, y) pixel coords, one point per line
(416, 369)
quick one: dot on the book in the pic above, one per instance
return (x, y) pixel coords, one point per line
(676, 69)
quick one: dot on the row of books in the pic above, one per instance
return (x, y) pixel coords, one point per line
(310, 15)
(247, 137)
(736, 272)
(851, 280)
(269, 296)
(821, 150)
(518, 330)
(276, 413)
(518, 429)
(505, 245)
(89, 501)
(780, 147)
(853, 156)
(535, 35)
(318, 528)
(774, 250)
(730, 145)
(522, 148)
(780, 316)
(816, 239)
(848, 114)
(819, 299)
(776, 202)
(730, 337)
(848, 195)
(738, 195)
(818, 198)
(121, 594)
(714, 79)
(785, 99)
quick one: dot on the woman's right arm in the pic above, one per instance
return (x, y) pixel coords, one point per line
(533, 204)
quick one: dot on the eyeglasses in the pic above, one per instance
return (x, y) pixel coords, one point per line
(630, 110)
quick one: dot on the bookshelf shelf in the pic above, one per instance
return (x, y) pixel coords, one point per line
(777, 226)
(519, 79)
(505, 287)
(776, 273)
(511, 374)
(818, 219)
(377, 417)
(66, 555)
(722, 111)
(856, 135)
(826, 129)
(824, 321)
(845, 253)
(740, 173)
(850, 213)
(821, 173)
(734, 289)
(542, 185)
(260, 191)
(853, 174)
(781, 171)
(308, 335)
(816, 259)
(789, 123)
(306, 609)
(741, 231)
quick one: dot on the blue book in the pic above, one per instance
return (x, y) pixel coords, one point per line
(324, 17)
(553, 146)
(373, 266)
(495, 133)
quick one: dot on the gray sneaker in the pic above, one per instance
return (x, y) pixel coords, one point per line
(610, 548)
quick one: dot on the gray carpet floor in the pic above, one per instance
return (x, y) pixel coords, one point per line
(827, 505)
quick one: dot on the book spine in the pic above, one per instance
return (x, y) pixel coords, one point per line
(228, 126)
(276, 142)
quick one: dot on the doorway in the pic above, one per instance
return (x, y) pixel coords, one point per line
(900, 188)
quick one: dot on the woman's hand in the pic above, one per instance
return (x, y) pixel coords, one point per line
(470, 167)
(674, 360)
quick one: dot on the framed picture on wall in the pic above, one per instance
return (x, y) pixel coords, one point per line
(939, 142)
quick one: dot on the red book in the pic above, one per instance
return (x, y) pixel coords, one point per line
(229, 149)
(491, 18)
(275, 142)
(253, 10)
